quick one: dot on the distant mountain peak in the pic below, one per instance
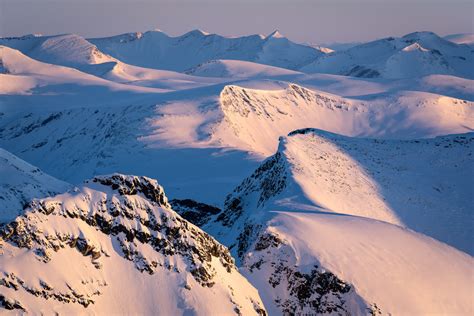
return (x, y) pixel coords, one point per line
(420, 34)
(275, 34)
(197, 32)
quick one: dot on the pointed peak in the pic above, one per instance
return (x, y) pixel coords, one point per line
(276, 34)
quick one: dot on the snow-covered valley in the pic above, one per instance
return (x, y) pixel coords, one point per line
(298, 179)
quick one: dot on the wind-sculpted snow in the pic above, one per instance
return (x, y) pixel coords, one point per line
(319, 226)
(105, 241)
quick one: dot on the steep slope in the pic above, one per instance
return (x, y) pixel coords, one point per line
(21, 182)
(155, 49)
(254, 119)
(109, 247)
(413, 55)
(323, 264)
(317, 228)
(238, 69)
(421, 184)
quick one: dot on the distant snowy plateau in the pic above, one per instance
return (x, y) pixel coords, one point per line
(208, 175)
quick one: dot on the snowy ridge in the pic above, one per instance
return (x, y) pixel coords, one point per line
(66, 50)
(289, 219)
(21, 182)
(118, 234)
(155, 49)
(254, 119)
(74, 51)
(22, 75)
(238, 69)
(324, 172)
(356, 215)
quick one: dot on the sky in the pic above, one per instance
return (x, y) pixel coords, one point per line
(309, 21)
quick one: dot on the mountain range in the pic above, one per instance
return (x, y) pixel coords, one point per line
(299, 179)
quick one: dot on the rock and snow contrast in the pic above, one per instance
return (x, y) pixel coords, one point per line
(315, 234)
(117, 234)
(301, 180)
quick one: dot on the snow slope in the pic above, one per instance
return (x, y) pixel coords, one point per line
(26, 84)
(73, 51)
(254, 119)
(157, 134)
(238, 69)
(421, 184)
(321, 224)
(155, 49)
(21, 182)
(413, 55)
(109, 247)
(371, 267)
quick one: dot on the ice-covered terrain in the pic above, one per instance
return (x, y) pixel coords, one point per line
(349, 172)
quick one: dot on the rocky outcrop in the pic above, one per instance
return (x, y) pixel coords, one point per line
(297, 290)
(134, 213)
(196, 212)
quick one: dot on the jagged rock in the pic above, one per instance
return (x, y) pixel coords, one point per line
(112, 222)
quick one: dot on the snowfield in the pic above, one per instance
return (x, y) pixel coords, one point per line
(301, 179)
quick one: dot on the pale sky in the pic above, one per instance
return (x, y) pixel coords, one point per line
(315, 21)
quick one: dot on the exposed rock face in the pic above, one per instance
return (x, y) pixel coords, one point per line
(135, 217)
(299, 290)
(131, 185)
(267, 181)
(196, 212)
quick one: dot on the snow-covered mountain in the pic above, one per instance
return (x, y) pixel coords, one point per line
(238, 69)
(171, 129)
(413, 55)
(74, 51)
(362, 222)
(319, 226)
(21, 182)
(252, 119)
(465, 38)
(112, 246)
(155, 49)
